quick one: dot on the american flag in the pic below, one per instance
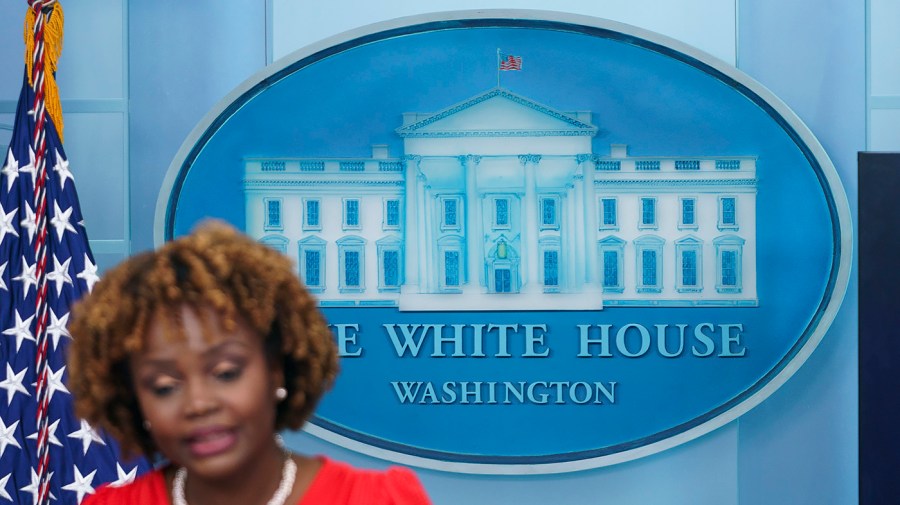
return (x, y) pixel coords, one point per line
(46, 452)
(510, 62)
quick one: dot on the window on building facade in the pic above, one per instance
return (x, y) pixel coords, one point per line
(649, 264)
(390, 262)
(728, 213)
(729, 269)
(611, 258)
(450, 213)
(312, 263)
(312, 218)
(648, 213)
(451, 268)
(551, 268)
(688, 218)
(501, 213)
(351, 213)
(391, 214)
(273, 214)
(729, 250)
(312, 267)
(352, 278)
(550, 212)
(450, 272)
(549, 264)
(689, 268)
(689, 265)
(390, 276)
(608, 214)
(351, 251)
(649, 270)
(610, 269)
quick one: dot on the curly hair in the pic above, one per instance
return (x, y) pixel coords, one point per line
(217, 268)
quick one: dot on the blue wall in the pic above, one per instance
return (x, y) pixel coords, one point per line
(137, 76)
(800, 446)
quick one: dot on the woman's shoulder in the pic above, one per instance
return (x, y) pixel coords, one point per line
(148, 489)
(341, 483)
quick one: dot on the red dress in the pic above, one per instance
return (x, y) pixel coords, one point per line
(335, 484)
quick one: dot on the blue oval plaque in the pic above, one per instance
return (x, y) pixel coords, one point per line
(545, 242)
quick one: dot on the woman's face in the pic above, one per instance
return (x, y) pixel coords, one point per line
(210, 399)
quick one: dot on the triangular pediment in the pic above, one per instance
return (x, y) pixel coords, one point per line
(689, 240)
(497, 112)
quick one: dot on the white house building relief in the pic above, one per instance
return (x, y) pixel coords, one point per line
(500, 203)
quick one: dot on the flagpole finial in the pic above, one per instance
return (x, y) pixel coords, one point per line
(40, 4)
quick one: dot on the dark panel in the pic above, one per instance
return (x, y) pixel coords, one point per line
(879, 328)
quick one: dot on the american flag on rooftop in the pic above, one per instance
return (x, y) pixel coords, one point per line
(46, 452)
(510, 62)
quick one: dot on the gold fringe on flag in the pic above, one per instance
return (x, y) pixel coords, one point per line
(53, 43)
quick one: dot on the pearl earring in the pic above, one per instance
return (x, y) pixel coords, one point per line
(146, 424)
(280, 394)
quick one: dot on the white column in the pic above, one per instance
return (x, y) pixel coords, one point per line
(411, 233)
(590, 222)
(422, 225)
(433, 212)
(474, 242)
(530, 225)
(572, 240)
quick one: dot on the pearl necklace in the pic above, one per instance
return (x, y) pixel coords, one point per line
(288, 474)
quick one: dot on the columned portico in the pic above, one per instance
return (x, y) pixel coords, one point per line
(500, 203)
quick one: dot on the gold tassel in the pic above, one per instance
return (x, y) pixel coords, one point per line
(53, 43)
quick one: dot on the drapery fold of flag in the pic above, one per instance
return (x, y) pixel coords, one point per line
(49, 259)
(510, 62)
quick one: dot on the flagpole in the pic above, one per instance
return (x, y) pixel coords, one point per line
(37, 140)
(42, 10)
(498, 67)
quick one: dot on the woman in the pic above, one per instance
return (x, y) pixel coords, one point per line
(198, 354)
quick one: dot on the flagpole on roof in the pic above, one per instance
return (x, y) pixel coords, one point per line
(498, 67)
